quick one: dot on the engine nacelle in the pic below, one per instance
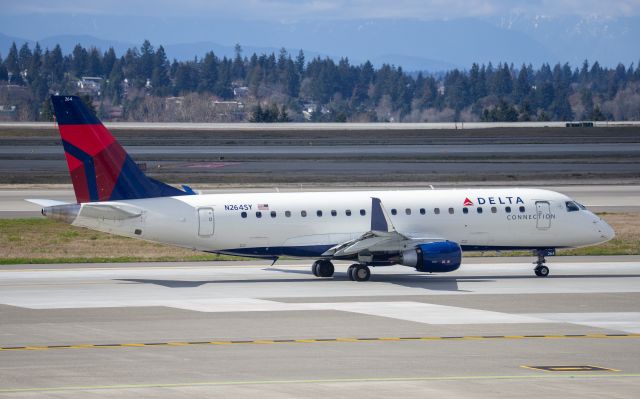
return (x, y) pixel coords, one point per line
(433, 257)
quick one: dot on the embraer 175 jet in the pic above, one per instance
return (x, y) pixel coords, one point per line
(427, 230)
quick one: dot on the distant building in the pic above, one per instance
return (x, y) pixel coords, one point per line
(227, 107)
(240, 92)
(90, 85)
(174, 101)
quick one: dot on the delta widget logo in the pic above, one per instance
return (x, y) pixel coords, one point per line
(468, 202)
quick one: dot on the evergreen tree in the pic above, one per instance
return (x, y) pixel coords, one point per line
(11, 63)
(587, 102)
(147, 58)
(108, 59)
(94, 62)
(160, 72)
(300, 64)
(25, 57)
(46, 111)
(238, 70)
(522, 85)
(55, 63)
(3, 71)
(35, 67)
(79, 61)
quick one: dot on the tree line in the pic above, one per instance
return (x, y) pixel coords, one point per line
(280, 87)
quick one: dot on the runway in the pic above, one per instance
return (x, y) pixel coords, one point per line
(247, 329)
(481, 150)
(599, 198)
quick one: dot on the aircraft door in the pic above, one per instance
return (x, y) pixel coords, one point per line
(543, 210)
(206, 222)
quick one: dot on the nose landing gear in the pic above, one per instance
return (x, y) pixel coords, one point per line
(541, 270)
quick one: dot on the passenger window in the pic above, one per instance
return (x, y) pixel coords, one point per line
(465, 210)
(407, 211)
(451, 211)
(494, 209)
(273, 214)
(319, 213)
(334, 213)
(363, 212)
(522, 209)
(394, 211)
(303, 214)
(436, 211)
(479, 209)
(348, 212)
(572, 206)
(258, 214)
(507, 209)
(423, 211)
(244, 215)
(287, 214)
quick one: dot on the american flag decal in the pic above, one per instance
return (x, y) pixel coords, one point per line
(263, 207)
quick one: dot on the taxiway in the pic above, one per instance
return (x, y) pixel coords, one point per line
(247, 329)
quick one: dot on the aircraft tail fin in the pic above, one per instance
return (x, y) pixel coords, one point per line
(101, 170)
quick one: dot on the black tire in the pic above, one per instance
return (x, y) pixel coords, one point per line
(542, 271)
(325, 268)
(314, 268)
(350, 271)
(361, 273)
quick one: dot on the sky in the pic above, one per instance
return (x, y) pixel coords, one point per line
(297, 10)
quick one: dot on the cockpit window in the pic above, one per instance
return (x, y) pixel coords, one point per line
(572, 206)
(584, 208)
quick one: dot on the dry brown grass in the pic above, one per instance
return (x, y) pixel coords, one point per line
(41, 239)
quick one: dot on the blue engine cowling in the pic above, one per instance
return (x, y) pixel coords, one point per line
(433, 257)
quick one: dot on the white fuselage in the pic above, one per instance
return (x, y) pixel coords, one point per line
(274, 224)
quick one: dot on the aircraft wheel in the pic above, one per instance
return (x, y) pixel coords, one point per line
(314, 268)
(542, 271)
(325, 268)
(361, 273)
(350, 271)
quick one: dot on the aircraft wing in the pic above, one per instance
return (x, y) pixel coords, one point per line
(383, 236)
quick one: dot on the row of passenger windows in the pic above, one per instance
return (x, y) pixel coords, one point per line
(407, 211)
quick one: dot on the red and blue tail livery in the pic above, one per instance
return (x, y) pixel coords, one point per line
(101, 170)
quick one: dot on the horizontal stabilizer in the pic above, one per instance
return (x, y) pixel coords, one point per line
(46, 202)
(110, 211)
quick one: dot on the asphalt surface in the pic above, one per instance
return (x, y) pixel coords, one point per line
(245, 329)
(318, 126)
(351, 150)
(599, 198)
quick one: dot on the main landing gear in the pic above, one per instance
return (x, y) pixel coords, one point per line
(359, 272)
(322, 268)
(356, 272)
(541, 270)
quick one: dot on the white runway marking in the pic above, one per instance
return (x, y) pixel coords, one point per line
(621, 321)
(410, 311)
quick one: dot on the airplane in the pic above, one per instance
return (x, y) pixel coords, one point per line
(423, 229)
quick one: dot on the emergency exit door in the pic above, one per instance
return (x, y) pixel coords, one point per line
(543, 210)
(206, 222)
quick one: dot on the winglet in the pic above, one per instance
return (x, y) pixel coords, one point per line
(380, 220)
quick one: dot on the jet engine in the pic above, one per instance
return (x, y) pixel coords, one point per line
(433, 257)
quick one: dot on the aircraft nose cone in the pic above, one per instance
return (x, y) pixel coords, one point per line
(605, 230)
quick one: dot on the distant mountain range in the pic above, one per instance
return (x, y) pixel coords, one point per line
(413, 44)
